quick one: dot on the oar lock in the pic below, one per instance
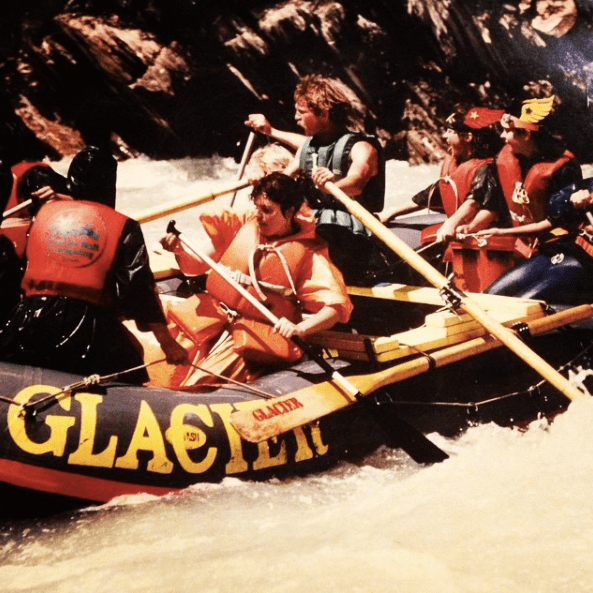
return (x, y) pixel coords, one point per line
(452, 296)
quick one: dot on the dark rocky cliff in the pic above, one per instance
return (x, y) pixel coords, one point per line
(177, 78)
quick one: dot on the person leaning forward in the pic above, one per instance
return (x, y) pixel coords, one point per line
(87, 267)
(274, 252)
(331, 151)
(467, 190)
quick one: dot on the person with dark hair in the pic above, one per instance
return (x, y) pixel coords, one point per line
(332, 150)
(531, 167)
(467, 190)
(87, 268)
(274, 252)
(92, 174)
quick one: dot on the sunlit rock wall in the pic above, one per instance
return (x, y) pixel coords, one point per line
(174, 78)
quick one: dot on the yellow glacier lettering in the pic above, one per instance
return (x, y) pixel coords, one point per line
(147, 437)
(237, 463)
(88, 429)
(265, 458)
(184, 437)
(58, 426)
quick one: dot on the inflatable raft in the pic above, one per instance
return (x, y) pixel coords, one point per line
(66, 441)
(415, 367)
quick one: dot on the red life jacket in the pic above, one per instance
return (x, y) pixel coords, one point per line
(456, 181)
(71, 249)
(17, 229)
(16, 197)
(268, 268)
(527, 198)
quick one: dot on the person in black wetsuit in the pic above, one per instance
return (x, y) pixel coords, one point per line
(87, 268)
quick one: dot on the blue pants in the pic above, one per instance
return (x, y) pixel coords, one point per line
(564, 277)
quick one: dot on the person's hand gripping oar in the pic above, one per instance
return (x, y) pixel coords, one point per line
(455, 297)
(427, 452)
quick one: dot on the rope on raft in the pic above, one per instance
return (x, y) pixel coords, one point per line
(474, 405)
(228, 382)
(31, 408)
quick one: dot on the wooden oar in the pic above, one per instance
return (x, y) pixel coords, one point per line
(455, 297)
(18, 208)
(427, 453)
(244, 159)
(261, 421)
(185, 202)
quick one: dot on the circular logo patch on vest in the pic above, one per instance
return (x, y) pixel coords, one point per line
(75, 239)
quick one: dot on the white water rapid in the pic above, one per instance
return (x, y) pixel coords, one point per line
(509, 512)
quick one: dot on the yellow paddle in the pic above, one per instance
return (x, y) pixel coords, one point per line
(258, 421)
(455, 297)
(410, 440)
(186, 202)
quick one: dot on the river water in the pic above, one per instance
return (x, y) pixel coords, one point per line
(511, 511)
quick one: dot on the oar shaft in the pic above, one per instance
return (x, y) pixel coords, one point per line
(224, 274)
(505, 335)
(244, 159)
(184, 203)
(18, 208)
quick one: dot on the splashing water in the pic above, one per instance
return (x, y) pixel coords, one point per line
(509, 511)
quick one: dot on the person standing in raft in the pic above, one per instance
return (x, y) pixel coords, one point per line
(562, 272)
(274, 252)
(531, 167)
(87, 268)
(467, 189)
(331, 151)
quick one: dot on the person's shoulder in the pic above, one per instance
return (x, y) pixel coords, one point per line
(365, 144)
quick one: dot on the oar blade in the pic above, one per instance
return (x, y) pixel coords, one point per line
(400, 434)
(258, 421)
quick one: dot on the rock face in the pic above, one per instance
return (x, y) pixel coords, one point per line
(174, 78)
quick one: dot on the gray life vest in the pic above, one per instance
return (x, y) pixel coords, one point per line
(336, 157)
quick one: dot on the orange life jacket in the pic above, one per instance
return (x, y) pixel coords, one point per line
(71, 249)
(527, 198)
(268, 267)
(456, 180)
(476, 263)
